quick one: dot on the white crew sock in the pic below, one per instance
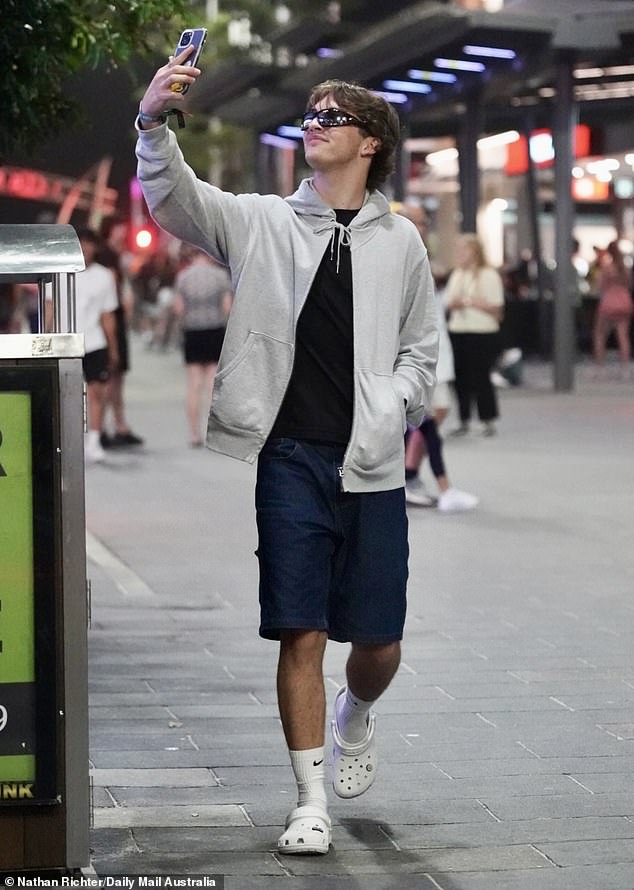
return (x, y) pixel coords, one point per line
(352, 714)
(310, 773)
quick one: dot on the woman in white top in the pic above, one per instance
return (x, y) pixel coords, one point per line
(475, 301)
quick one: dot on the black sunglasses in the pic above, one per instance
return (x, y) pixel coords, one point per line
(331, 117)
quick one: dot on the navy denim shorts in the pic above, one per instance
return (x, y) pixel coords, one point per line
(329, 560)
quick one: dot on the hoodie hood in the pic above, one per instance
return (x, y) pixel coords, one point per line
(308, 203)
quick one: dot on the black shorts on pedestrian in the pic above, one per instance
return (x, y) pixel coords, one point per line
(95, 366)
(203, 347)
(329, 560)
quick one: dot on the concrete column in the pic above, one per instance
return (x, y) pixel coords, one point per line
(469, 173)
(565, 118)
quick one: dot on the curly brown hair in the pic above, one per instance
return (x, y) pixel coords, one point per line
(381, 121)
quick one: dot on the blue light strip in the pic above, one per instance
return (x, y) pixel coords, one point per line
(491, 52)
(291, 132)
(394, 98)
(459, 65)
(406, 86)
(277, 141)
(437, 76)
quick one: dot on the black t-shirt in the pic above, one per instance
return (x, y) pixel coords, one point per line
(319, 401)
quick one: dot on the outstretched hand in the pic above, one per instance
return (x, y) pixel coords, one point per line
(164, 91)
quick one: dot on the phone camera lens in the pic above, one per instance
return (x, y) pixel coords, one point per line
(186, 38)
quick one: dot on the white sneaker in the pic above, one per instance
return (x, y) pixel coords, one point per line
(416, 493)
(93, 452)
(455, 501)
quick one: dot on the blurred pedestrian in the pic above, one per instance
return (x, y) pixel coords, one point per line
(96, 302)
(614, 311)
(154, 287)
(111, 254)
(426, 440)
(475, 301)
(323, 361)
(202, 302)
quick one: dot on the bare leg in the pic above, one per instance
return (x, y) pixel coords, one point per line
(415, 450)
(300, 688)
(95, 396)
(115, 400)
(601, 326)
(623, 339)
(195, 380)
(370, 669)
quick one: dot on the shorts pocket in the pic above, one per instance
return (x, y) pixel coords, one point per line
(279, 449)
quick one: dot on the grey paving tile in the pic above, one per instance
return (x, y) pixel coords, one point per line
(561, 807)
(390, 811)
(208, 815)
(617, 877)
(591, 852)
(196, 863)
(410, 786)
(153, 777)
(393, 862)
(530, 831)
(531, 766)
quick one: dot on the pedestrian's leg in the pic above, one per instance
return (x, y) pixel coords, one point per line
(623, 340)
(208, 385)
(300, 687)
(369, 671)
(195, 381)
(599, 337)
(462, 384)
(302, 704)
(483, 359)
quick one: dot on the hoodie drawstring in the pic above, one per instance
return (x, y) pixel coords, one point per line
(344, 239)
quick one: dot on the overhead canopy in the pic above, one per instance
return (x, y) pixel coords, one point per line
(536, 33)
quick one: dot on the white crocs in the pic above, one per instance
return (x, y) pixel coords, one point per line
(354, 764)
(308, 830)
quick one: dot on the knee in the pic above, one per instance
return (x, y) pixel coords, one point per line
(380, 655)
(303, 645)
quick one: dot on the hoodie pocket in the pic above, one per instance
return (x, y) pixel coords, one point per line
(249, 389)
(379, 421)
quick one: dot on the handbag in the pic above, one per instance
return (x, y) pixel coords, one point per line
(616, 301)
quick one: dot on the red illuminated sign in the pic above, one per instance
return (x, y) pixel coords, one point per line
(542, 151)
(33, 185)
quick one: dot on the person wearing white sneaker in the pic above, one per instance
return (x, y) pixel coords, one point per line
(96, 302)
(415, 491)
(426, 440)
(452, 500)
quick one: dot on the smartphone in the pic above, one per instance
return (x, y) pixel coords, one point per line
(190, 37)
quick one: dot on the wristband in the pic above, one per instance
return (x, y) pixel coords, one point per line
(161, 118)
(151, 118)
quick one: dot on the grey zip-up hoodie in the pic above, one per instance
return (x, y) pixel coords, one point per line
(273, 247)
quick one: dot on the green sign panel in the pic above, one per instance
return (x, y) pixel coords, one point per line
(17, 600)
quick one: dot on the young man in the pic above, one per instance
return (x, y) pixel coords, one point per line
(330, 346)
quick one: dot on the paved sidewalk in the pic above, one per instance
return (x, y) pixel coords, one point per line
(507, 739)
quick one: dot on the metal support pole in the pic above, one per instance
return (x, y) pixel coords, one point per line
(41, 306)
(71, 303)
(57, 304)
(563, 134)
(533, 205)
(469, 172)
